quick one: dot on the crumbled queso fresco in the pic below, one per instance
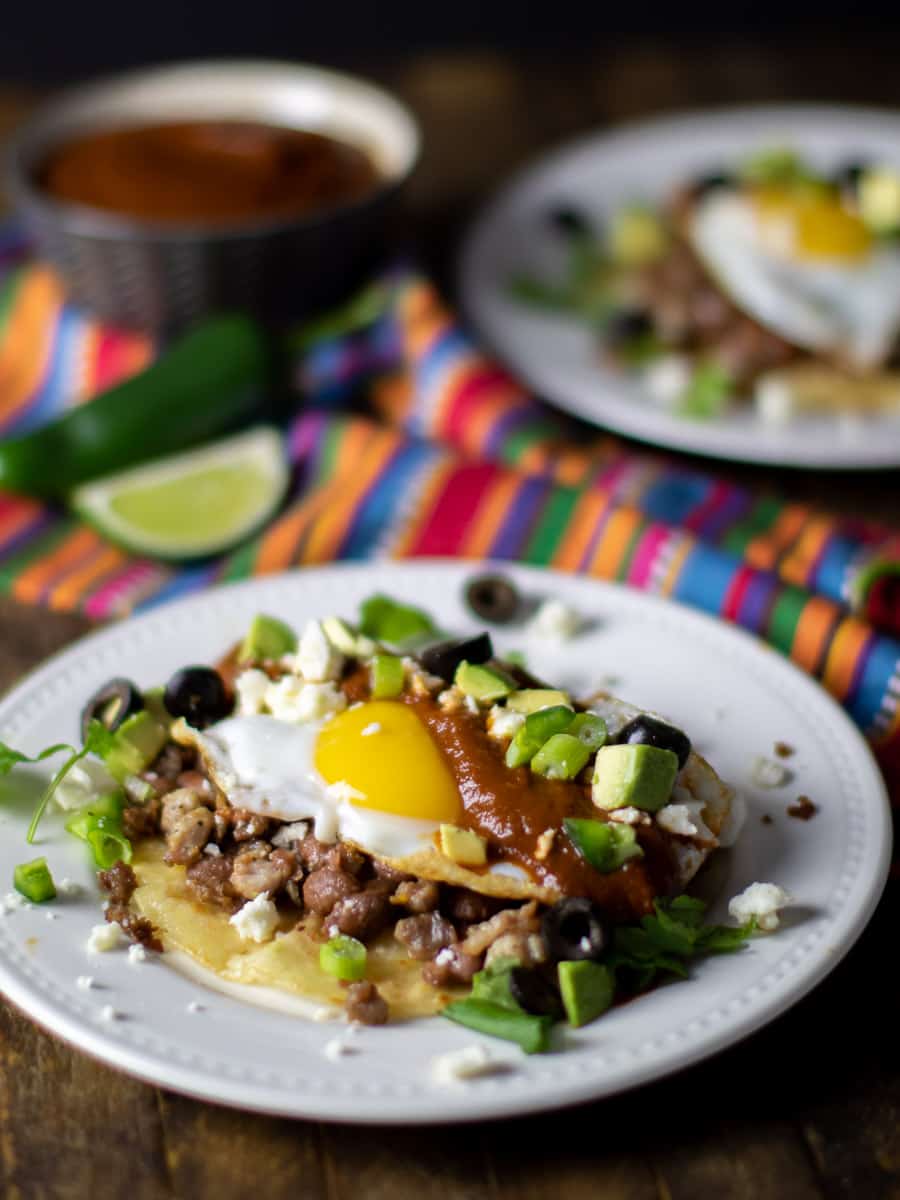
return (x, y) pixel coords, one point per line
(257, 920)
(457, 1066)
(555, 620)
(762, 901)
(104, 937)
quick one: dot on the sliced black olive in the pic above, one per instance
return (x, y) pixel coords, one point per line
(648, 731)
(444, 657)
(848, 175)
(573, 929)
(568, 220)
(711, 181)
(198, 694)
(111, 705)
(493, 598)
(533, 991)
(626, 326)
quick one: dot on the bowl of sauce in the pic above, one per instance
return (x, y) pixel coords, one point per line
(170, 193)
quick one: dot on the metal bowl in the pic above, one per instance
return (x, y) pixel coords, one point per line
(162, 276)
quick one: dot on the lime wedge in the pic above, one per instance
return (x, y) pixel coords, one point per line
(193, 504)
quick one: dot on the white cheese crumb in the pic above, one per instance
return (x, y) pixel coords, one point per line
(344, 792)
(85, 982)
(676, 818)
(766, 773)
(194, 1006)
(67, 887)
(84, 782)
(544, 844)
(136, 954)
(14, 900)
(762, 901)
(317, 660)
(734, 822)
(324, 1014)
(336, 1049)
(289, 699)
(774, 402)
(504, 722)
(257, 920)
(456, 1066)
(251, 687)
(422, 682)
(471, 705)
(667, 379)
(286, 835)
(108, 1013)
(371, 729)
(628, 815)
(50, 915)
(555, 620)
(104, 937)
(212, 850)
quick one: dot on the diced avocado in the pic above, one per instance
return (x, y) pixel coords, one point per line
(561, 757)
(587, 990)
(135, 744)
(529, 700)
(463, 846)
(879, 199)
(386, 672)
(348, 640)
(605, 846)
(539, 727)
(267, 638)
(637, 237)
(636, 775)
(484, 684)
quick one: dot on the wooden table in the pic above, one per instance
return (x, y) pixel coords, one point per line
(809, 1107)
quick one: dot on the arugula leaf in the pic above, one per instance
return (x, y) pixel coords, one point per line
(10, 758)
(667, 941)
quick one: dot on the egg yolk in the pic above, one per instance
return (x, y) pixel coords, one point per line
(383, 750)
(820, 226)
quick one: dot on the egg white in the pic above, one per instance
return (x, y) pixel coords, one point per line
(268, 767)
(851, 309)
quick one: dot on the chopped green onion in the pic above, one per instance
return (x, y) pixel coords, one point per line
(590, 729)
(708, 393)
(539, 727)
(387, 676)
(561, 757)
(101, 827)
(343, 957)
(605, 845)
(34, 881)
(531, 1033)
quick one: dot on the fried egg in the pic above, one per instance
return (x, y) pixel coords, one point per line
(804, 266)
(371, 775)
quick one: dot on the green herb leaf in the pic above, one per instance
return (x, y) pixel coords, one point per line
(10, 758)
(99, 739)
(492, 984)
(708, 393)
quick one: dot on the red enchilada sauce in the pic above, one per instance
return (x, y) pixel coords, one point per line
(208, 171)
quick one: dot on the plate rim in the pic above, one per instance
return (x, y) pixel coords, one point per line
(147, 1066)
(676, 434)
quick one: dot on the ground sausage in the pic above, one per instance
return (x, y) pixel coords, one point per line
(524, 920)
(528, 948)
(170, 761)
(325, 887)
(209, 881)
(388, 873)
(362, 915)
(141, 820)
(451, 965)
(197, 782)
(425, 935)
(186, 839)
(246, 825)
(119, 881)
(461, 904)
(366, 1004)
(177, 805)
(254, 874)
(418, 895)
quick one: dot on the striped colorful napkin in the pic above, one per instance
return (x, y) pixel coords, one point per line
(453, 457)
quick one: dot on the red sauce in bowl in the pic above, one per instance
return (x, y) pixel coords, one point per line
(208, 172)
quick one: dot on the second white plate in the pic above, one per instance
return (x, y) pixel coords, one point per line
(559, 357)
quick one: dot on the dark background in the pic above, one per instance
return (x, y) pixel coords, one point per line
(46, 43)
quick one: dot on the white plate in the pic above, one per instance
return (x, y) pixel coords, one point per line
(559, 357)
(734, 696)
